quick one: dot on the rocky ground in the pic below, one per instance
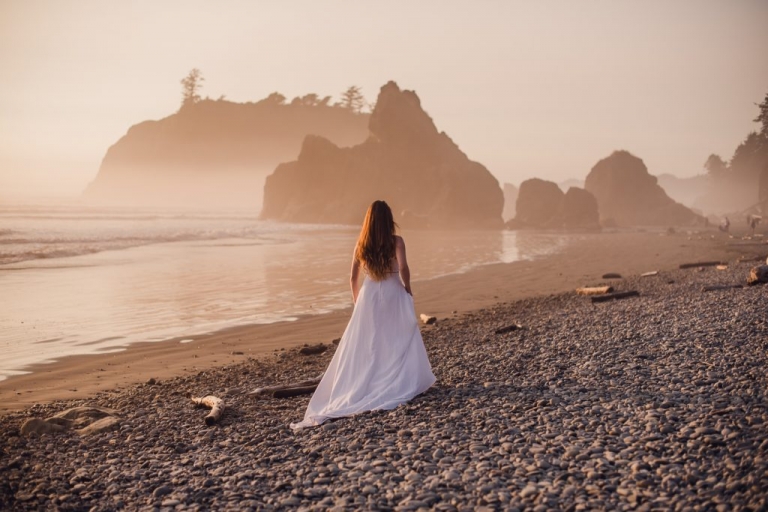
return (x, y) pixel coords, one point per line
(656, 402)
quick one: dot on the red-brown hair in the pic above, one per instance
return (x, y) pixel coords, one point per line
(376, 244)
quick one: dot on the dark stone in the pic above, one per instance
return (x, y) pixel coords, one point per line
(161, 491)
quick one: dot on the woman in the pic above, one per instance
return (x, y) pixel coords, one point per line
(380, 362)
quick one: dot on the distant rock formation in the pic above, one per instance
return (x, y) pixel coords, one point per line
(510, 201)
(542, 204)
(420, 172)
(572, 182)
(628, 195)
(580, 210)
(215, 153)
(539, 204)
(686, 191)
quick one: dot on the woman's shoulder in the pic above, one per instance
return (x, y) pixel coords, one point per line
(399, 240)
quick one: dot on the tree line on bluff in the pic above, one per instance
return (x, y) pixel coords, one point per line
(219, 153)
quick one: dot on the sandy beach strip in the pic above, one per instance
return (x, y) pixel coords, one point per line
(582, 263)
(657, 401)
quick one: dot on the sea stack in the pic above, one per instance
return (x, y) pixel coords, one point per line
(423, 175)
(627, 195)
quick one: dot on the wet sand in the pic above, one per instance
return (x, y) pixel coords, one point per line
(582, 263)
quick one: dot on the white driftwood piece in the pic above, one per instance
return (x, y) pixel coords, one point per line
(215, 404)
(594, 290)
(427, 319)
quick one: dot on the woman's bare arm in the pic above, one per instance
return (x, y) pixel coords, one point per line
(402, 264)
(353, 275)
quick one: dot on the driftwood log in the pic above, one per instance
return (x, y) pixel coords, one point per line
(508, 328)
(650, 274)
(594, 290)
(304, 387)
(611, 275)
(722, 287)
(615, 296)
(701, 264)
(216, 405)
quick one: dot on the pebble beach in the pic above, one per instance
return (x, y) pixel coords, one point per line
(653, 402)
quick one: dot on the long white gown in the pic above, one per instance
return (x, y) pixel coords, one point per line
(380, 362)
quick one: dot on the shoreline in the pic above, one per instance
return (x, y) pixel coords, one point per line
(581, 263)
(656, 402)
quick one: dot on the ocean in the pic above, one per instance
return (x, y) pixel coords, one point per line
(79, 279)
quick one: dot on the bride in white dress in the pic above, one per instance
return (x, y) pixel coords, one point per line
(380, 362)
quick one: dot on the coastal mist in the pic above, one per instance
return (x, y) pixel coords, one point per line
(80, 279)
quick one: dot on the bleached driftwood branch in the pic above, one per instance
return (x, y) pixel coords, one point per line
(215, 404)
(594, 290)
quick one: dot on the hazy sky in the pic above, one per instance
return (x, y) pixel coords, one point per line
(534, 88)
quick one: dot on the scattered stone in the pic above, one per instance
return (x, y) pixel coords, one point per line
(657, 403)
(311, 350)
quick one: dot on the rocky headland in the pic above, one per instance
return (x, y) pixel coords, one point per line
(215, 152)
(424, 176)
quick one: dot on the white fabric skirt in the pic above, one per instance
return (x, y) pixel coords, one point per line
(380, 362)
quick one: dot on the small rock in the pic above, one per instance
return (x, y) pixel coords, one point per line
(161, 491)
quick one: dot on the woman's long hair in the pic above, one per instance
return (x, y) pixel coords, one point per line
(376, 244)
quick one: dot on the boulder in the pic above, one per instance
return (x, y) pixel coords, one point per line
(423, 175)
(580, 209)
(628, 195)
(539, 204)
(758, 274)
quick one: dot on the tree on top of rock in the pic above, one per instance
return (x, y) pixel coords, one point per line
(190, 87)
(715, 165)
(762, 118)
(352, 99)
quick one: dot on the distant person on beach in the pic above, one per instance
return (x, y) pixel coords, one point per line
(381, 361)
(725, 226)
